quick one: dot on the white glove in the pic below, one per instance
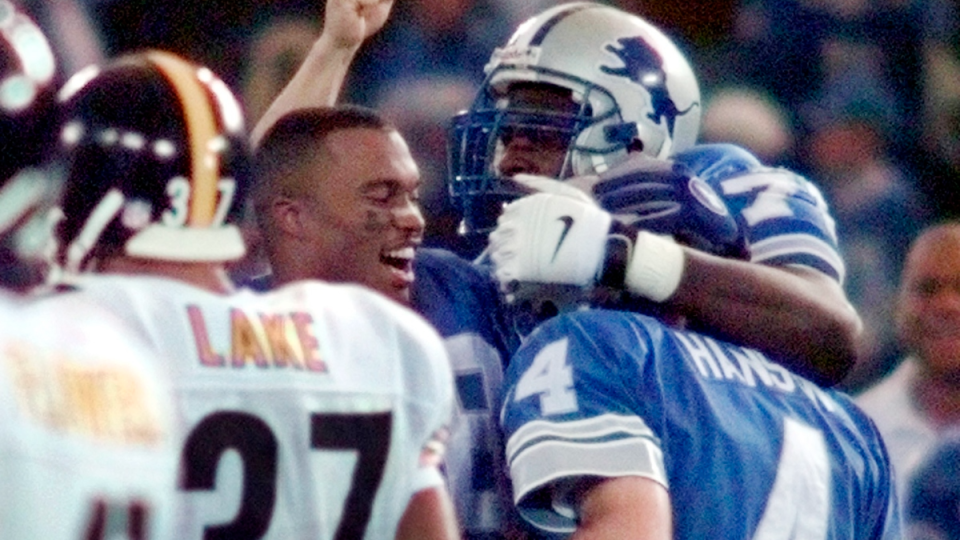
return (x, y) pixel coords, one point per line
(560, 236)
(549, 238)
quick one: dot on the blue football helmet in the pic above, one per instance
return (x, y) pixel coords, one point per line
(630, 88)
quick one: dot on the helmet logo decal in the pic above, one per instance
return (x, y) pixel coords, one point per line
(644, 66)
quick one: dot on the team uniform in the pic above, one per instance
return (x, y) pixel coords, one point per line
(86, 427)
(708, 420)
(784, 221)
(305, 411)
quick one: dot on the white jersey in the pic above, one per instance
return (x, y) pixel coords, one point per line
(305, 410)
(86, 448)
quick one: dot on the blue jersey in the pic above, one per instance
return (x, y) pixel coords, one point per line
(745, 448)
(783, 216)
(462, 301)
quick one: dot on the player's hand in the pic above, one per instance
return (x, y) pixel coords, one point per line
(349, 22)
(549, 238)
(546, 238)
(665, 197)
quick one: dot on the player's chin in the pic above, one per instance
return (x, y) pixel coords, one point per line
(398, 294)
(396, 282)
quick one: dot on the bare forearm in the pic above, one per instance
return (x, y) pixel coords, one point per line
(797, 316)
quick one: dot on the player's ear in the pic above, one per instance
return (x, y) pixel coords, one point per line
(288, 215)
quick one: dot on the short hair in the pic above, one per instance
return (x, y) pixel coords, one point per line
(295, 141)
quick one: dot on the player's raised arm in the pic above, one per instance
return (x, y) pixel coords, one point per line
(347, 23)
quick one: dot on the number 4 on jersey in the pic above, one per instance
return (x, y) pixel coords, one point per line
(551, 377)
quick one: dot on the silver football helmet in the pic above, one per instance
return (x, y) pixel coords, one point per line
(632, 86)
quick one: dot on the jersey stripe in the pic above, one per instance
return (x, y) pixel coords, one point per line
(788, 244)
(202, 131)
(603, 426)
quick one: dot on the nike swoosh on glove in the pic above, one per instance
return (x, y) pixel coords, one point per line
(549, 238)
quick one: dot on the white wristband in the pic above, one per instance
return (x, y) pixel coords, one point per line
(655, 267)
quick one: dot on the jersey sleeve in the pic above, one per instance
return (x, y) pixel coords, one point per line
(567, 415)
(783, 215)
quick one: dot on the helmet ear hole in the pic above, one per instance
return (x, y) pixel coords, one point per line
(635, 145)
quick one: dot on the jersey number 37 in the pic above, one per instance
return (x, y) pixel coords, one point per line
(255, 442)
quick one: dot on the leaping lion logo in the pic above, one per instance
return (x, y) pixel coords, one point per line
(639, 59)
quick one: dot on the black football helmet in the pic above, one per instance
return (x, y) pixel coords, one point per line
(156, 161)
(631, 86)
(28, 80)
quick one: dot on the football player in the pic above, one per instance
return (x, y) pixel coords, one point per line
(601, 98)
(587, 92)
(86, 417)
(620, 425)
(312, 411)
(336, 199)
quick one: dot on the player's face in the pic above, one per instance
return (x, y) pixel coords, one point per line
(540, 151)
(929, 306)
(364, 217)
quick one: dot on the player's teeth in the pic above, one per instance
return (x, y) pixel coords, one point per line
(405, 253)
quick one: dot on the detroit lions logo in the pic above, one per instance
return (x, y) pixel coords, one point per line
(642, 65)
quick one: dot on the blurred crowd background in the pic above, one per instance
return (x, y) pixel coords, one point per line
(862, 96)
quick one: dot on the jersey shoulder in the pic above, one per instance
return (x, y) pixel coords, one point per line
(716, 161)
(371, 321)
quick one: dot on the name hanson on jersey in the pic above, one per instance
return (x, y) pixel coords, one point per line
(748, 367)
(278, 340)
